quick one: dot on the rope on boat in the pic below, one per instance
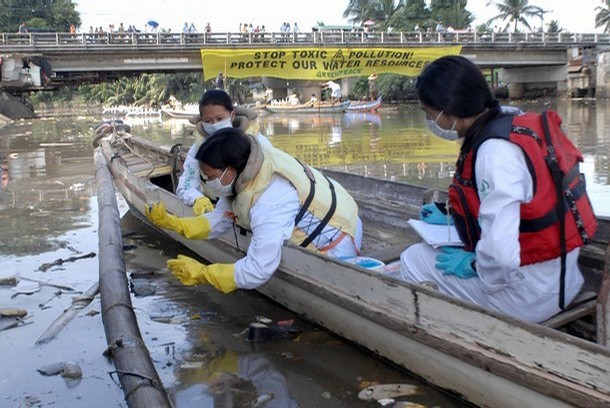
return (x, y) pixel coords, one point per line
(142, 387)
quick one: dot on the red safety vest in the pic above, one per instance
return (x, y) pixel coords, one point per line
(539, 230)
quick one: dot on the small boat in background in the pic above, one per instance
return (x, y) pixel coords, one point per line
(187, 111)
(317, 108)
(357, 106)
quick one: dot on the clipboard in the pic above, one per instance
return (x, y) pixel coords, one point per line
(436, 235)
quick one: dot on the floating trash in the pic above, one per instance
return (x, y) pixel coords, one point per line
(141, 287)
(9, 279)
(25, 288)
(66, 369)
(387, 391)
(259, 332)
(13, 312)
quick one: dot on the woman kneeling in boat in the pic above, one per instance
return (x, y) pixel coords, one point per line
(503, 201)
(270, 193)
(216, 112)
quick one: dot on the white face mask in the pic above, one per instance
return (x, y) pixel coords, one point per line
(211, 128)
(447, 134)
(218, 189)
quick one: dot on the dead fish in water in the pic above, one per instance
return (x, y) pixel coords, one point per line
(13, 312)
(388, 391)
(141, 287)
(259, 332)
(25, 288)
(66, 369)
(9, 280)
(142, 274)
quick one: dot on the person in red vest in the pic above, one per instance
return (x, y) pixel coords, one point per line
(517, 200)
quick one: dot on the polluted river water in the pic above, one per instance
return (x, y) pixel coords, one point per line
(196, 336)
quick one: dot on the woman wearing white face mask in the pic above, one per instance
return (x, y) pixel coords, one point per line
(268, 192)
(503, 201)
(216, 112)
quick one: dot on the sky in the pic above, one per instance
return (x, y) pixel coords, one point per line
(224, 16)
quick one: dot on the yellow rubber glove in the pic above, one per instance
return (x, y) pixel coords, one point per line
(190, 272)
(189, 227)
(202, 205)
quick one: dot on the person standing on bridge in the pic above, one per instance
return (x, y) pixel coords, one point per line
(520, 246)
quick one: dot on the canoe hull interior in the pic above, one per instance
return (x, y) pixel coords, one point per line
(447, 342)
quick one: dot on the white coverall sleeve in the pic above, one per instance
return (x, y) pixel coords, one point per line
(272, 221)
(188, 189)
(504, 183)
(219, 218)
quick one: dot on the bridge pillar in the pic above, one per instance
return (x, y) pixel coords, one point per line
(535, 81)
(602, 87)
(516, 90)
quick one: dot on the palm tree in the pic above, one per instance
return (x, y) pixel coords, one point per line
(516, 11)
(602, 18)
(385, 9)
(359, 11)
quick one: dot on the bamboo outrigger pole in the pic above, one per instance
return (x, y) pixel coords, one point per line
(137, 374)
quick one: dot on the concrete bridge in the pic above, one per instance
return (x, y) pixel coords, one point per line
(526, 59)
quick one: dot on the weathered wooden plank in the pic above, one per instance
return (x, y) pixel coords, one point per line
(455, 345)
(603, 305)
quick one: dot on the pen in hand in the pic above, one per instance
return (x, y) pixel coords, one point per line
(448, 221)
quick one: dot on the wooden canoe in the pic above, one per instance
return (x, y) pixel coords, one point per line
(485, 358)
(323, 107)
(356, 106)
(186, 112)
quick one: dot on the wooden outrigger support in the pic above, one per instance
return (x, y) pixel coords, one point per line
(137, 374)
(603, 304)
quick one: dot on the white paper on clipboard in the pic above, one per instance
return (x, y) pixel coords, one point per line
(436, 235)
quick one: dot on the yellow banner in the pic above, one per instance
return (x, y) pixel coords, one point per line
(316, 63)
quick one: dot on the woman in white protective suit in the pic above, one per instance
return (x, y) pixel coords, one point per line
(521, 230)
(266, 191)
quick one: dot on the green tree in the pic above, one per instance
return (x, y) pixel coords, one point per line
(413, 13)
(381, 11)
(451, 13)
(515, 11)
(55, 15)
(554, 27)
(384, 10)
(358, 11)
(602, 18)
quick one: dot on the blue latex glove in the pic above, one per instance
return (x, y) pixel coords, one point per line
(456, 261)
(435, 213)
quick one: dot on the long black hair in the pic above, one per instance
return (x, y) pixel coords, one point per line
(228, 147)
(216, 97)
(456, 86)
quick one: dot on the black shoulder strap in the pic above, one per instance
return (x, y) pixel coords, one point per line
(331, 211)
(556, 173)
(312, 192)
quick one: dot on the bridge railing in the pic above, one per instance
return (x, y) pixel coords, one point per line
(33, 41)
